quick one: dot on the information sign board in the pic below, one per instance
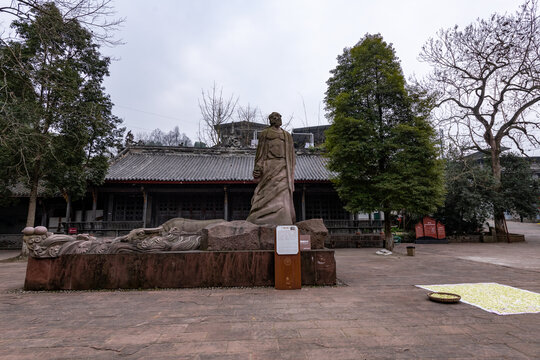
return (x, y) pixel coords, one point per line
(287, 263)
(287, 240)
(419, 229)
(430, 229)
(441, 231)
(305, 242)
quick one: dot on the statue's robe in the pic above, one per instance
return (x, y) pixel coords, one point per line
(272, 201)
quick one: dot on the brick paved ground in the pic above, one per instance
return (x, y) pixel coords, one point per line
(378, 315)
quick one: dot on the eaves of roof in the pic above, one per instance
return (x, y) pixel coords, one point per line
(204, 167)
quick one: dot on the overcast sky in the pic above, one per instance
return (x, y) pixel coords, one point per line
(275, 55)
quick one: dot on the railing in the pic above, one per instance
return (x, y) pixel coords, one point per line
(353, 226)
(102, 226)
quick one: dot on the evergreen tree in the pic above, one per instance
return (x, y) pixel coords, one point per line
(467, 204)
(520, 191)
(380, 143)
(56, 124)
(470, 196)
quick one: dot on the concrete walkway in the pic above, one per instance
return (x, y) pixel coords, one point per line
(378, 314)
(8, 254)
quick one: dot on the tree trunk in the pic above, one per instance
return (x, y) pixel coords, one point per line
(94, 204)
(498, 213)
(67, 197)
(31, 215)
(388, 237)
(32, 204)
(498, 219)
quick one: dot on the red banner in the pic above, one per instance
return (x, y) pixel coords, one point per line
(430, 227)
(419, 229)
(441, 231)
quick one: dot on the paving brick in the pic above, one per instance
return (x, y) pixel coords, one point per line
(205, 347)
(321, 333)
(252, 346)
(379, 314)
(366, 331)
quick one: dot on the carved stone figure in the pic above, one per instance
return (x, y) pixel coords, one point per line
(272, 201)
(174, 235)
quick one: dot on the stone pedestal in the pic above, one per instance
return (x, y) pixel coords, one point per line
(171, 270)
(316, 230)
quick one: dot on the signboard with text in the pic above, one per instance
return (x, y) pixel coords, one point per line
(441, 231)
(430, 228)
(419, 230)
(287, 240)
(305, 242)
(287, 263)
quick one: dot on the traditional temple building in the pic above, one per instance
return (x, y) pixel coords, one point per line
(145, 186)
(152, 185)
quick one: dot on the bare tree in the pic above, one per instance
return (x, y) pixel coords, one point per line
(287, 123)
(215, 110)
(305, 122)
(487, 81)
(97, 16)
(176, 138)
(159, 138)
(247, 113)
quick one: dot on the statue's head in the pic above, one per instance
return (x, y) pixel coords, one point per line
(275, 119)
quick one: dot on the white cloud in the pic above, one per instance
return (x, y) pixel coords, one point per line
(269, 53)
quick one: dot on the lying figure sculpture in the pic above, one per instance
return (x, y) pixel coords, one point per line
(174, 235)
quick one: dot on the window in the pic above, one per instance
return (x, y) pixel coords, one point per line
(128, 207)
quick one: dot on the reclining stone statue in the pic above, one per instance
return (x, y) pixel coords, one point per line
(174, 235)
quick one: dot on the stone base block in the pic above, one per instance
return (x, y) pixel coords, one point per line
(10, 241)
(503, 238)
(355, 241)
(316, 229)
(171, 270)
(465, 238)
(428, 240)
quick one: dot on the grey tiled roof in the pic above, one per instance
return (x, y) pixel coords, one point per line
(199, 165)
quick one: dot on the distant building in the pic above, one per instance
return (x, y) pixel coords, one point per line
(244, 134)
(145, 186)
(310, 134)
(534, 161)
(238, 134)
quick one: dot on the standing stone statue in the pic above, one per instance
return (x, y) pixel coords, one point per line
(272, 202)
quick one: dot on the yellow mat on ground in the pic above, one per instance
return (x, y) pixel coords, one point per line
(493, 297)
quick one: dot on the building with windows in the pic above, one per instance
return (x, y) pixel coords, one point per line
(153, 185)
(146, 186)
(239, 134)
(313, 135)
